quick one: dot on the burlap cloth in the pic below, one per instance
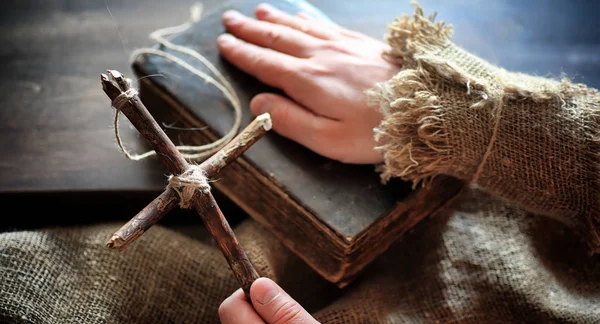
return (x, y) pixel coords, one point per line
(513, 254)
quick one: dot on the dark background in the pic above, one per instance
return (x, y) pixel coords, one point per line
(59, 163)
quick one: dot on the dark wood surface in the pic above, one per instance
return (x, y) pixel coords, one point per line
(55, 120)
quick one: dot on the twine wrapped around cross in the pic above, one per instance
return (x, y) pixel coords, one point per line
(188, 185)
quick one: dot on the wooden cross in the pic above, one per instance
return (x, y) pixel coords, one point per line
(118, 88)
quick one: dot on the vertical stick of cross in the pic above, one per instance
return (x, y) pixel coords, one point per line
(188, 185)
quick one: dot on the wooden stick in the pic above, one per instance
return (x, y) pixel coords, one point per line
(217, 225)
(252, 133)
(204, 204)
(143, 121)
(168, 199)
(145, 219)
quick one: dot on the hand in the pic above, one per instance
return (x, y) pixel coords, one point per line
(323, 68)
(271, 305)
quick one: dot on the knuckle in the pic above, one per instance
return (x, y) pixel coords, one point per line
(257, 62)
(322, 133)
(273, 36)
(335, 46)
(273, 73)
(314, 70)
(303, 27)
(283, 75)
(287, 312)
(285, 71)
(281, 117)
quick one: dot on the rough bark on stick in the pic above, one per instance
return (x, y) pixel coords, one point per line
(252, 133)
(204, 203)
(143, 121)
(217, 225)
(168, 199)
(145, 219)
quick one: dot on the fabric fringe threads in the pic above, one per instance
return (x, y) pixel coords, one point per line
(448, 112)
(192, 153)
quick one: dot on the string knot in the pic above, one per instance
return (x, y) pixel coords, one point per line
(186, 184)
(123, 98)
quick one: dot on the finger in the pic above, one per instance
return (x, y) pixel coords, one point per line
(265, 34)
(293, 121)
(329, 24)
(275, 306)
(266, 12)
(273, 68)
(236, 309)
(302, 15)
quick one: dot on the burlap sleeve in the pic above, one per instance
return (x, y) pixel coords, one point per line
(529, 140)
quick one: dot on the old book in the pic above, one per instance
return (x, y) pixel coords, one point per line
(337, 217)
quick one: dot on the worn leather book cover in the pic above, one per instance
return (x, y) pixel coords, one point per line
(336, 217)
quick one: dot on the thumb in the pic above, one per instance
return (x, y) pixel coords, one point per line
(275, 306)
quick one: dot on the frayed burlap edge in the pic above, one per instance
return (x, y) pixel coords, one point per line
(594, 219)
(412, 135)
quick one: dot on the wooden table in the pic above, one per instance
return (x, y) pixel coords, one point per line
(58, 146)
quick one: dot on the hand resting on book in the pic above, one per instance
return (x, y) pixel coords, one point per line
(323, 68)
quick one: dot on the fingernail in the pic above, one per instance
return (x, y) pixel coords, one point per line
(265, 7)
(225, 39)
(231, 16)
(268, 293)
(262, 105)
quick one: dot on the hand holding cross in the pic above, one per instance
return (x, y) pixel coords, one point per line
(188, 184)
